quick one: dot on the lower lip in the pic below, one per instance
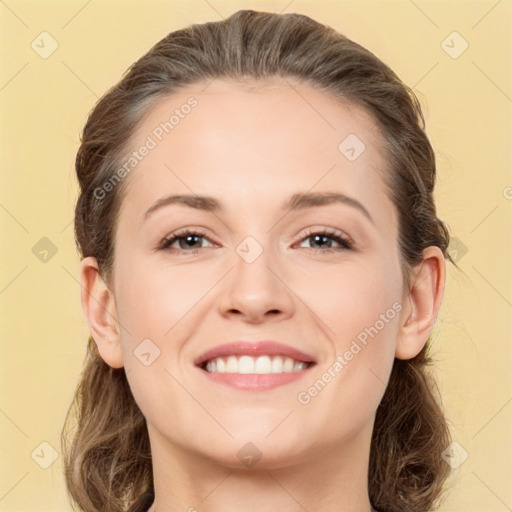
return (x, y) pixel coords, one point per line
(254, 381)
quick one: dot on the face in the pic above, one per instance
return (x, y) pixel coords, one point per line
(319, 277)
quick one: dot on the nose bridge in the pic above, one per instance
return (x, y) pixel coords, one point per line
(254, 286)
(253, 259)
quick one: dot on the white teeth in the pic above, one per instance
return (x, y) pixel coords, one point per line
(288, 365)
(245, 364)
(259, 365)
(277, 365)
(263, 365)
(231, 365)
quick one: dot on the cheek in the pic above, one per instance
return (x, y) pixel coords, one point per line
(356, 296)
(361, 306)
(151, 300)
(364, 318)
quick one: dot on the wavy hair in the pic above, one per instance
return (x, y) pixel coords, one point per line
(107, 453)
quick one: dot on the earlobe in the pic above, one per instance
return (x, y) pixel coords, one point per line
(99, 308)
(423, 303)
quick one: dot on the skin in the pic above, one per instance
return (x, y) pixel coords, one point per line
(251, 147)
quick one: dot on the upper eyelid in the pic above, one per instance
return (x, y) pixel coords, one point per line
(203, 232)
(329, 232)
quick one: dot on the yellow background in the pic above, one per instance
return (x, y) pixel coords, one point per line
(44, 103)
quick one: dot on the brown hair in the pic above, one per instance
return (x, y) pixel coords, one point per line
(108, 458)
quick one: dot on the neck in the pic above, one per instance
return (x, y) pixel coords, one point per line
(334, 479)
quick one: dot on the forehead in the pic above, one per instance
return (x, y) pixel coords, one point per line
(254, 105)
(256, 139)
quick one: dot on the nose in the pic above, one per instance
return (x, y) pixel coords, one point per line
(257, 291)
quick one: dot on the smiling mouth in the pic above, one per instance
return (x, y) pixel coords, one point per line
(261, 365)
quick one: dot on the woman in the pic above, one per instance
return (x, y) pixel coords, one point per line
(262, 266)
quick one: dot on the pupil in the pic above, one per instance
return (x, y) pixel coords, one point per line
(190, 238)
(318, 237)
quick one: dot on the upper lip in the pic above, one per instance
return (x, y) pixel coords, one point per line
(253, 348)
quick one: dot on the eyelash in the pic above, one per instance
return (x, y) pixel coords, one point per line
(345, 242)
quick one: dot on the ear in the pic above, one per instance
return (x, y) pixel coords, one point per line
(99, 308)
(421, 303)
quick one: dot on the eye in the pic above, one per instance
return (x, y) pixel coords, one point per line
(187, 239)
(325, 238)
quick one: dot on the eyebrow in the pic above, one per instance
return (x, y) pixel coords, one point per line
(299, 201)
